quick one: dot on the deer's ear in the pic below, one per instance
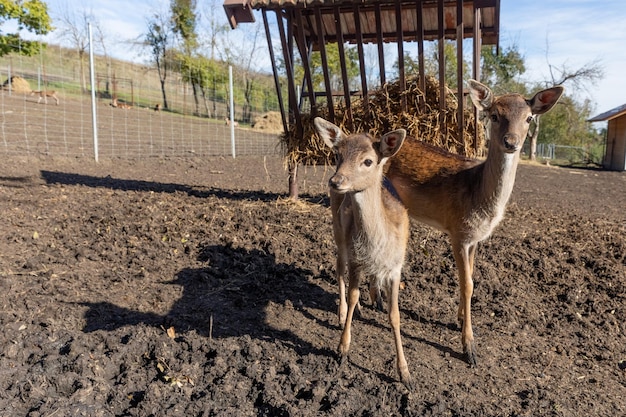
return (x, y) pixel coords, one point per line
(481, 95)
(391, 142)
(330, 133)
(545, 99)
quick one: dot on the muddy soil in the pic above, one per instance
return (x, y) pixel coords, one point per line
(192, 287)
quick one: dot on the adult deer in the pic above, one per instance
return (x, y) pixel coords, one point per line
(44, 95)
(370, 225)
(463, 197)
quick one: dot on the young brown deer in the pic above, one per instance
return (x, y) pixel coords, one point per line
(44, 95)
(463, 197)
(227, 122)
(370, 225)
(120, 105)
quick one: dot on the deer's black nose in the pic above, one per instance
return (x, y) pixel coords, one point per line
(511, 141)
(336, 181)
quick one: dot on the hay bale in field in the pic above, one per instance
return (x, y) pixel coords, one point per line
(270, 122)
(384, 113)
(18, 85)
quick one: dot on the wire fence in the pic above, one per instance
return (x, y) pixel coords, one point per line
(565, 154)
(131, 117)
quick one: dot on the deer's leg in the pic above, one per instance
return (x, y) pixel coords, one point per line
(394, 320)
(463, 255)
(353, 300)
(375, 295)
(471, 256)
(342, 311)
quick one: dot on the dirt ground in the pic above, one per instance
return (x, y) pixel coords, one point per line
(192, 287)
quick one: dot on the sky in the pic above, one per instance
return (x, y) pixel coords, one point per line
(561, 33)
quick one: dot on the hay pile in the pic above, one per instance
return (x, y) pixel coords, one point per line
(270, 122)
(18, 85)
(384, 114)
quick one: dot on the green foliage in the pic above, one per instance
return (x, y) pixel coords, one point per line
(334, 67)
(157, 39)
(31, 15)
(502, 71)
(431, 63)
(184, 23)
(566, 124)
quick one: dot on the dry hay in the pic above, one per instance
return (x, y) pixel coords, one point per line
(18, 85)
(383, 114)
(270, 122)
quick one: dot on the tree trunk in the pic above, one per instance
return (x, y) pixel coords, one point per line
(206, 103)
(83, 78)
(195, 98)
(164, 96)
(533, 140)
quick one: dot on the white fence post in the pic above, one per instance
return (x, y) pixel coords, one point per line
(94, 119)
(232, 110)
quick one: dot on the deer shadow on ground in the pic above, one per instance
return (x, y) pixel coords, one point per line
(229, 297)
(72, 179)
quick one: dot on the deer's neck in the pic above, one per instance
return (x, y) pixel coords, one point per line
(369, 211)
(498, 178)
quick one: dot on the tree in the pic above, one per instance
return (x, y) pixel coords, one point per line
(241, 50)
(158, 39)
(213, 28)
(502, 70)
(74, 28)
(31, 15)
(184, 26)
(203, 73)
(579, 78)
(431, 63)
(334, 67)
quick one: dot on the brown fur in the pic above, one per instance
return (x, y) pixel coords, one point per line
(463, 197)
(370, 225)
(44, 95)
(120, 105)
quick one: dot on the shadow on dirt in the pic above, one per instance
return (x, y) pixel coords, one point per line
(71, 179)
(229, 297)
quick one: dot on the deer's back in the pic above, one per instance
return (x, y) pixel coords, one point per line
(435, 185)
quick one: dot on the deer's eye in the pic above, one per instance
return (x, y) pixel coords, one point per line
(494, 117)
(529, 119)
(368, 162)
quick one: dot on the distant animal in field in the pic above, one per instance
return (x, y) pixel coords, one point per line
(119, 105)
(227, 120)
(157, 107)
(44, 95)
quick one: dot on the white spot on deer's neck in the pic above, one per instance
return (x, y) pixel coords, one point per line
(372, 247)
(497, 186)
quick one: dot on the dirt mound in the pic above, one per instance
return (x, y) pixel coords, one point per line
(269, 122)
(18, 85)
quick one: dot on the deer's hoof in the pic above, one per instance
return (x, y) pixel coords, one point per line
(409, 385)
(407, 381)
(470, 356)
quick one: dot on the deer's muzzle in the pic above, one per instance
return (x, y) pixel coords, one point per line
(336, 181)
(511, 142)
